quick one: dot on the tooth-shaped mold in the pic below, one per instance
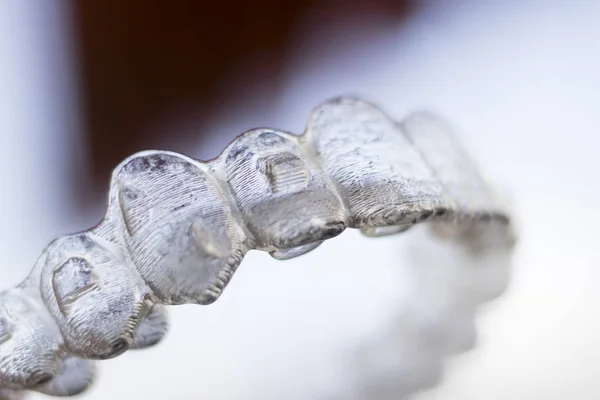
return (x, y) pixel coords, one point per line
(30, 342)
(382, 178)
(96, 298)
(152, 329)
(435, 140)
(285, 199)
(73, 377)
(177, 226)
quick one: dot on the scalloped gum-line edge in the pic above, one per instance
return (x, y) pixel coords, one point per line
(214, 170)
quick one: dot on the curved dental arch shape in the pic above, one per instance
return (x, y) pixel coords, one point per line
(177, 229)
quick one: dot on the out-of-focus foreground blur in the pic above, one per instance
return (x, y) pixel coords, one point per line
(84, 84)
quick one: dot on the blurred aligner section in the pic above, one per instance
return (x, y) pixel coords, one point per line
(176, 230)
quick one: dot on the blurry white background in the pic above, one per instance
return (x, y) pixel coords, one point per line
(519, 80)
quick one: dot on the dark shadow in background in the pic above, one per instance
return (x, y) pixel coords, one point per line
(142, 60)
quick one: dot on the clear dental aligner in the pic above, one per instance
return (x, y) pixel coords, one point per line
(177, 229)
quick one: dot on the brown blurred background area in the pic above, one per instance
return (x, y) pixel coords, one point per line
(142, 61)
(518, 80)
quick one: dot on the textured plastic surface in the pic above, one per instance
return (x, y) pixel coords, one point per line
(177, 229)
